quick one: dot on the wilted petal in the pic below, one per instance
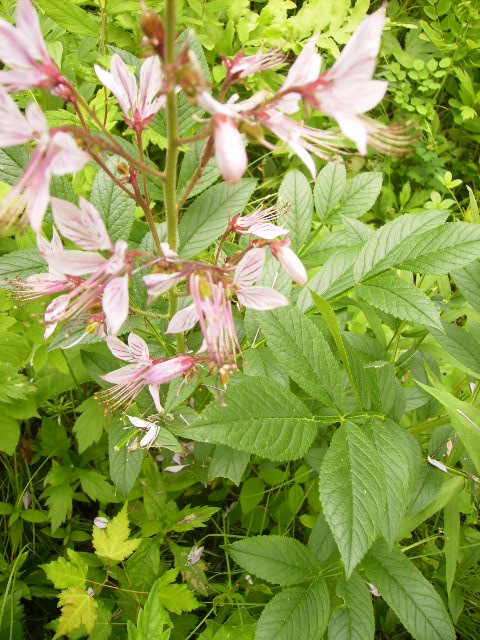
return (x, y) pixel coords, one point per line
(250, 267)
(83, 225)
(230, 152)
(183, 320)
(115, 303)
(261, 298)
(149, 438)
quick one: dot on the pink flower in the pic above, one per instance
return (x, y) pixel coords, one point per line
(289, 261)
(23, 49)
(247, 273)
(151, 428)
(83, 226)
(138, 103)
(258, 223)
(347, 90)
(158, 283)
(230, 152)
(55, 154)
(242, 66)
(142, 372)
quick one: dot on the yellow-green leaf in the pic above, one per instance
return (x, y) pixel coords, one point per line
(113, 543)
(78, 608)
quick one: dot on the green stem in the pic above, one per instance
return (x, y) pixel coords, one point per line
(170, 184)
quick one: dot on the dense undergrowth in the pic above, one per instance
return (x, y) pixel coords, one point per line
(330, 489)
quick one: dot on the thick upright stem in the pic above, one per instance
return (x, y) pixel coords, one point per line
(170, 184)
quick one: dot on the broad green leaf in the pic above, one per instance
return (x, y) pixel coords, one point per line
(332, 324)
(95, 485)
(21, 264)
(277, 559)
(124, 465)
(295, 189)
(357, 232)
(67, 573)
(360, 194)
(354, 620)
(297, 612)
(173, 596)
(59, 494)
(151, 620)
(115, 207)
(228, 463)
(352, 495)
(251, 494)
(413, 599)
(207, 217)
(261, 362)
(12, 162)
(451, 528)
(113, 543)
(381, 250)
(321, 542)
(467, 280)
(402, 299)
(461, 346)
(328, 189)
(78, 608)
(464, 416)
(9, 435)
(71, 17)
(89, 425)
(304, 354)
(440, 250)
(14, 348)
(260, 417)
(399, 455)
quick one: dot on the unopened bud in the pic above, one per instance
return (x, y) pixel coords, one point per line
(152, 26)
(230, 152)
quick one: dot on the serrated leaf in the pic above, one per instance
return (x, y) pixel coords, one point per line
(260, 417)
(261, 363)
(207, 217)
(67, 573)
(295, 189)
(151, 620)
(352, 495)
(328, 189)
(9, 435)
(277, 559)
(113, 543)
(21, 264)
(124, 465)
(402, 299)
(399, 455)
(177, 598)
(12, 163)
(413, 599)
(78, 608)
(304, 354)
(321, 542)
(95, 485)
(460, 345)
(188, 167)
(354, 620)
(467, 280)
(380, 251)
(59, 494)
(115, 207)
(298, 612)
(228, 463)
(71, 17)
(89, 425)
(360, 194)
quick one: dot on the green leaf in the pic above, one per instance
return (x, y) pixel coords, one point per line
(352, 495)
(295, 189)
(115, 207)
(9, 435)
(12, 163)
(207, 217)
(59, 494)
(304, 354)
(460, 345)
(467, 280)
(381, 250)
(399, 455)
(113, 543)
(251, 494)
(78, 608)
(228, 463)
(260, 417)
(15, 349)
(67, 573)
(464, 416)
(95, 485)
(187, 170)
(328, 189)
(177, 598)
(261, 363)
(21, 264)
(402, 299)
(151, 620)
(413, 599)
(451, 548)
(124, 465)
(71, 17)
(440, 250)
(298, 612)
(277, 559)
(354, 620)
(88, 427)
(321, 542)
(360, 194)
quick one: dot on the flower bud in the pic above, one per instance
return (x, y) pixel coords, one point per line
(290, 262)
(229, 150)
